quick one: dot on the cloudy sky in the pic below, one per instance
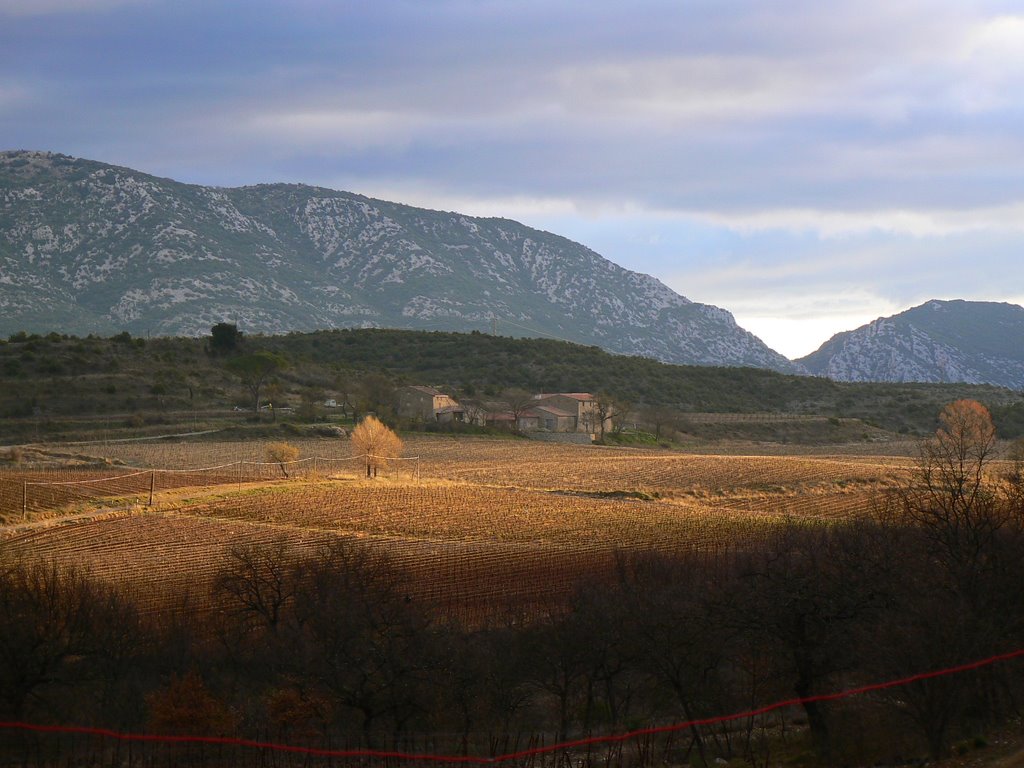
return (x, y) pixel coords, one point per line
(807, 165)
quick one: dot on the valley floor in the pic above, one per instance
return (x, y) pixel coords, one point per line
(480, 528)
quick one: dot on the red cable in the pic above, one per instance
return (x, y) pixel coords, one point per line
(226, 741)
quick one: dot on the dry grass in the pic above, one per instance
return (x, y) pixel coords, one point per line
(446, 512)
(159, 558)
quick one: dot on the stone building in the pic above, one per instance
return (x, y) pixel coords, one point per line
(428, 404)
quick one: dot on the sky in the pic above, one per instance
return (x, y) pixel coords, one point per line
(807, 165)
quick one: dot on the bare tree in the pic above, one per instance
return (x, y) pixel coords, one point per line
(927, 625)
(952, 463)
(255, 371)
(680, 635)
(607, 619)
(346, 399)
(368, 641)
(474, 410)
(1015, 477)
(622, 413)
(259, 581)
(605, 409)
(556, 651)
(660, 419)
(950, 497)
(518, 401)
(962, 555)
(48, 617)
(805, 596)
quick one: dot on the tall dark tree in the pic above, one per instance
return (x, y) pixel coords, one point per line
(48, 617)
(224, 338)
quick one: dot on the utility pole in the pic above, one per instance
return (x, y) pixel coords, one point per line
(494, 326)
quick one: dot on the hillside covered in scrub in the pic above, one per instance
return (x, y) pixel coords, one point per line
(54, 377)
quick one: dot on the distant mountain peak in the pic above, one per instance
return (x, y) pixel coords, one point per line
(977, 342)
(90, 247)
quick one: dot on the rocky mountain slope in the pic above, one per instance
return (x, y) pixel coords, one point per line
(940, 341)
(89, 247)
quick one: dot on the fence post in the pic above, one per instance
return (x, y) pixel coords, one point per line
(152, 483)
(24, 500)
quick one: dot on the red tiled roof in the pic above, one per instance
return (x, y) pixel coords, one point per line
(554, 411)
(585, 396)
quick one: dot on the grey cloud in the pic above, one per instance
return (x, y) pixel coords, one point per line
(853, 129)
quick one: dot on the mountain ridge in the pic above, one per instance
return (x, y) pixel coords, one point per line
(939, 341)
(91, 247)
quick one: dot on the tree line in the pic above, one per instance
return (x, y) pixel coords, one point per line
(55, 374)
(331, 648)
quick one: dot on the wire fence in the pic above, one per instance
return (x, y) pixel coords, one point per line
(34, 494)
(56, 747)
(60, 745)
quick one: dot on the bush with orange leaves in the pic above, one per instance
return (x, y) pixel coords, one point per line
(970, 518)
(281, 454)
(186, 706)
(377, 442)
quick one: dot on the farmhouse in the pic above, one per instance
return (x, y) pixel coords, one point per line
(428, 404)
(549, 419)
(495, 415)
(562, 412)
(571, 412)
